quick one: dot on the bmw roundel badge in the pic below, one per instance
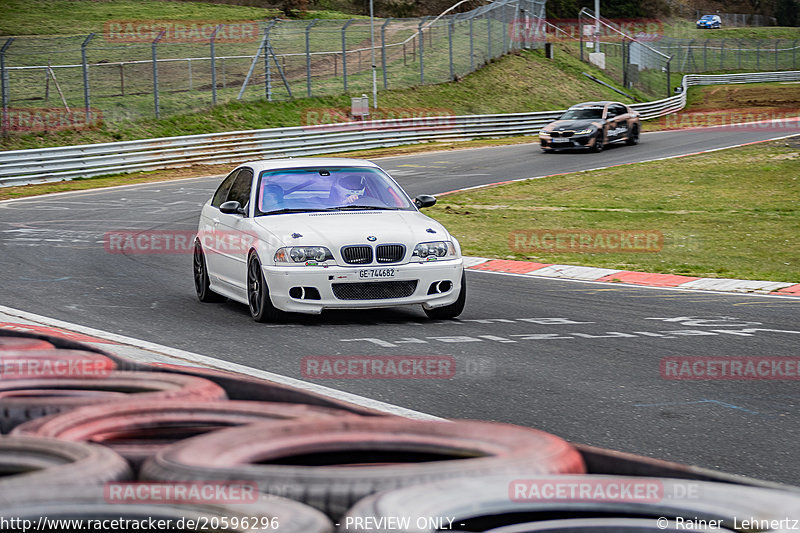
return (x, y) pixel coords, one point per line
(372, 238)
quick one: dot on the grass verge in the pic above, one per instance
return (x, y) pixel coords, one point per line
(729, 214)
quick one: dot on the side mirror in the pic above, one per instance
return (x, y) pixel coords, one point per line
(424, 200)
(231, 208)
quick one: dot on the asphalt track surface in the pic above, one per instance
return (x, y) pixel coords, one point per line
(579, 359)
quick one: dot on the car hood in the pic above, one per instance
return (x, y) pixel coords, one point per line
(340, 228)
(572, 125)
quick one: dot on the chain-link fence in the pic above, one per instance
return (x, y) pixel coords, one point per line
(630, 59)
(136, 69)
(708, 55)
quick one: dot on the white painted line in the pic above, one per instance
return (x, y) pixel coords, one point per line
(609, 285)
(103, 189)
(182, 356)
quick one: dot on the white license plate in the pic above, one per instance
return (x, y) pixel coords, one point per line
(371, 273)
(560, 140)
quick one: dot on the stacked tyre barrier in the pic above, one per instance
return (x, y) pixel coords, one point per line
(83, 431)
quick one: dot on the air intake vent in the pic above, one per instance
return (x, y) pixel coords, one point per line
(380, 290)
(357, 255)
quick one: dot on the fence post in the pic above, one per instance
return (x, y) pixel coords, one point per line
(421, 60)
(4, 81)
(308, 57)
(504, 28)
(580, 32)
(214, 66)
(669, 82)
(471, 47)
(344, 52)
(740, 54)
(794, 54)
(722, 55)
(267, 71)
(705, 56)
(489, 34)
(624, 63)
(758, 55)
(450, 24)
(383, 51)
(85, 67)
(777, 41)
(155, 74)
(189, 65)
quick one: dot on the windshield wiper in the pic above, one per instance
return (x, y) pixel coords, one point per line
(360, 207)
(295, 210)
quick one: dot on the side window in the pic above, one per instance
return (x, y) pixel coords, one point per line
(620, 110)
(222, 191)
(240, 191)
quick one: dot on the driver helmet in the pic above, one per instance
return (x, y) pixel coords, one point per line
(352, 184)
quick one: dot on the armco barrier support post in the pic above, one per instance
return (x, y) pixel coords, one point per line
(4, 82)
(85, 67)
(344, 52)
(308, 57)
(214, 65)
(383, 51)
(154, 46)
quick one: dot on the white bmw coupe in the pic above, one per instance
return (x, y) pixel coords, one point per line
(303, 235)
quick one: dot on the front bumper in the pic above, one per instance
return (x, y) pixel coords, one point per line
(565, 143)
(284, 281)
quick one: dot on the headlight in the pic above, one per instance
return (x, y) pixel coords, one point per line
(585, 131)
(431, 251)
(302, 254)
(543, 132)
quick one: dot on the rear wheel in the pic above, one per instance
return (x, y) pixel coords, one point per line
(261, 308)
(633, 136)
(201, 283)
(455, 308)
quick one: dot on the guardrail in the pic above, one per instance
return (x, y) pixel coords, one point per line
(67, 162)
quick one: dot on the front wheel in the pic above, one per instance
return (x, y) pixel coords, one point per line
(261, 308)
(455, 308)
(598, 142)
(633, 136)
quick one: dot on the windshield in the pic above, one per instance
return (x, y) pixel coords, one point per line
(583, 113)
(707, 17)
(328, 189)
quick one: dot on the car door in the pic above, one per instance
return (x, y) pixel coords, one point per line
(209, 220)
(615, 122)
(232, 233)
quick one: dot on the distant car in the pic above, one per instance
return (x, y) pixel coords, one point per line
(591, 125)
(709, 22)
(307, 234)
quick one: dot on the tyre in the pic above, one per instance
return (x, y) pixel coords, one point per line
(330, 465)
(24, 343)
(633, 136)
(27, 364)
(598, 142)
(455, 308)
(37, 462)
(230, 512)
(489, 504)
(141, 429)
(242, 387)
(22, 400)
(202, 285)
(261, 308)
